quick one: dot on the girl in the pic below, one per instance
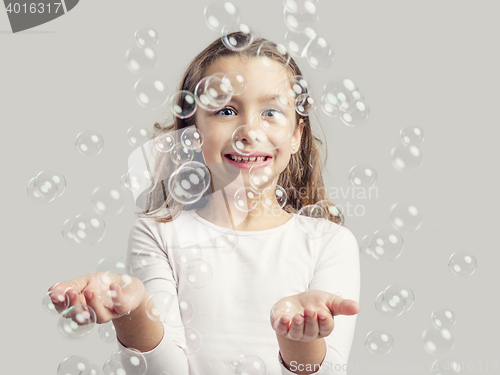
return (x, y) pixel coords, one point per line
(254, 288)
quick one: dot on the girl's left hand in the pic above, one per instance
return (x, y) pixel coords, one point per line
(309, 316)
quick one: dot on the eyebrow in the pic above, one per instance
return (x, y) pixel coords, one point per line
(261, 99)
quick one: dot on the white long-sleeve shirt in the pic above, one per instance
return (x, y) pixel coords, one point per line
(232, 312)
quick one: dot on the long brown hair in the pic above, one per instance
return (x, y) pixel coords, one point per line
(304, 170)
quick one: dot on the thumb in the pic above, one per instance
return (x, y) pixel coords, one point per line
(341, 306)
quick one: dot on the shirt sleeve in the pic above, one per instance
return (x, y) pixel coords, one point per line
(337, 271)
(148, 261)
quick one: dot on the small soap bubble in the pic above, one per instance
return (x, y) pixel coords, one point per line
(235, 81)
(386, 245)
(141, 60)
(355, 113)
(437, 341)
(180, 154)
(192, 138)
(186, 252)
(226, 241)
(237, 36)
(129, 362)
(66, 230)
(188, 183)
(276, 202)
(192, 337)
(36, 196)
(362, 176)
(379, 342)
(411, 136)
(299, 22)
(183, 104)
(198, 273)
(88, 229)
(74, 365)
(332, 213)
(273, 57)
(246, 199)
(113, 270)
(165, 142)
(89, 143)
(288, 90)
(272, 120)
(151, 92)
(146, 37)
(305, 104)
(145, 259)
(446, 366)
(213, 92)
(186, 308)
(250, 365)
(364, 246)
(137, 135)
(162, 307)
(319, 54)
(405, 217)
(398, 297)
(301, 6)
(95, 370)
(50, 183)
(317, 223)
(77, 321)
(107, 332)
(406, 158)
(48, 305)
(381, 307)
(107, 201)
(236, 356)
(262, 178)
(443, 318)
(220, 13)
(462, 264)
(297, 43)
(246, 140)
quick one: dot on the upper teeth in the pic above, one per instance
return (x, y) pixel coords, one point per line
(254, 159)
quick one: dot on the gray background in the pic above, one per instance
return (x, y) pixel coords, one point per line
(426, 63)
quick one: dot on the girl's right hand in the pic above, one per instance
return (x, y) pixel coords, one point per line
(109, 301)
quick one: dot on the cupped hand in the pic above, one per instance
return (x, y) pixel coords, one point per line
(108, 299)
(309, 315)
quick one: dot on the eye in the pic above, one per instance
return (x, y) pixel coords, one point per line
(225, 112)
(271, 113)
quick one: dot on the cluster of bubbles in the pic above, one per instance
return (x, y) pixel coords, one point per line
(379, 342)
(46, 186)
(394, 300)
(342, 99)
(407, 156)
(438, 339)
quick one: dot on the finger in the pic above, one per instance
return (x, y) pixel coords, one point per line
(103, 315)
(118, 299)
(311, 327)
(341, 306)
(326, 323)
(296, 331)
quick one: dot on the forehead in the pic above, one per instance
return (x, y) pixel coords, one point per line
(259, 80)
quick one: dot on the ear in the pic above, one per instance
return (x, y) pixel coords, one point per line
(297, 136)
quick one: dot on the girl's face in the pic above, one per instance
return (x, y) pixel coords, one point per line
(255, 106)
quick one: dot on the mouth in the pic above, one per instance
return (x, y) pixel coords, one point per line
(248, 162)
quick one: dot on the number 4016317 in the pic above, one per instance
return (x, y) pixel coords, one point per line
(33, 8)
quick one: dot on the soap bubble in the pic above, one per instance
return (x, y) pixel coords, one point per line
(288, 90)
(334, 97)
(186, 308)
(146, 37)
(406, 158)
(107, 201)
(362, 176)
(246, 199)
(220, 13)
(165, 142)
(107, 332)
(266, 55)
(355, 113)
(192, 337)
(77, 321)
(113, 270)
(386, 245)
(188, 183)
(236, 356)
(145, 259)
(379, 342)
(437, 341)
(364, 246)
(262, 178)
(305, 104)
(411, 136)
(50, 183)
(151, 92)
(299, 22)
(161, 307)
(66, 230)
(180, 154)
(74, 365)
(198, 273)
(446, 366)
(88, 229)
(317, 223)
(237, 36)
(319, 54)
(137, 135)
(381, 307)
(462, 264)
(192, 138)
(36, 196)
(212, 93)
(141, 60)
(297, 43)
(443, 318)
(405, 217)
(226, 241)
(245, 140)
(398, 297)
(89, 143)
(235, 81)
(279, 201)
(183, 104)
(301, 6)
(332, 212)
(186, 252)
(127, 362)
(250, 365)
(48, 305)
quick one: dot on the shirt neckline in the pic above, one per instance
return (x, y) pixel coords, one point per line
(288, 223)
